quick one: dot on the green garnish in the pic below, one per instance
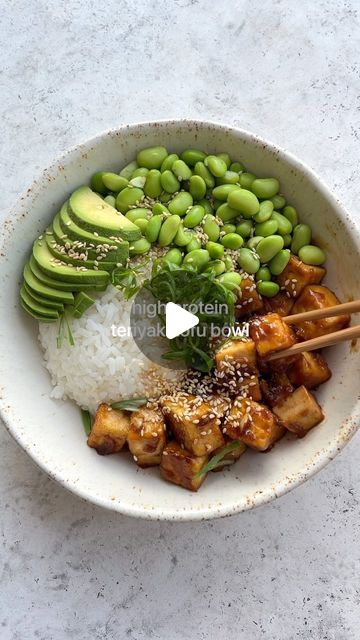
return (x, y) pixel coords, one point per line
(132, 404)
(60, 336)
(218, 460)
(86, 420)
(127, 278)
(186, 287)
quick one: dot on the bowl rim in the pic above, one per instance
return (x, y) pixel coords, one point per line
(327, 453)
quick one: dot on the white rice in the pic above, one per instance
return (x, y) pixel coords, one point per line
(98, 367)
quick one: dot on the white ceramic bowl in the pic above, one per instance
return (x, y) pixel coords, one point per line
(51, 432)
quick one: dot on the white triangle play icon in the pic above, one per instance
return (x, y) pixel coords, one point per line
(178, 320)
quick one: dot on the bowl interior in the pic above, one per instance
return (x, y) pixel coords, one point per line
(51, 431)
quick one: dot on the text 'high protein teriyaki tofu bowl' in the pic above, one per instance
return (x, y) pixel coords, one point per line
(223, 228)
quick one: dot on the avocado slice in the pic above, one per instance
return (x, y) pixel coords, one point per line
(89, 264)
(66, 273)
(36, 315)
(46, 302)
(36, 307)
(92, 213)
(61, 286)
(82, 302)
(66, 230)
(45, 291)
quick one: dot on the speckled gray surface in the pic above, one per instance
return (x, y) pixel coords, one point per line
(290, 72)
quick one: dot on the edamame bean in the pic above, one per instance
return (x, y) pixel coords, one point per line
(226, 213)
(265, 187)
(158, 209)
(181, 170)
(301, 237)
(265, 211)
(244, 201)
(222, 191)
(165, 197)
(284, 225)
(197, 187)
(207, 206)
(201, 170)
(153, 229)
(216, 251)
(278, 263)
(269, 247)
(217, 267)
(216, 166)
(287, 240)
(183, 237)
(232, 241)
(136, 214)
(278, 201)
(268, 289)
(254, 241)
(237, 166)
(230, 177)
(113, 182)
(211, 228)
(128, 197)
(228, 228)
(180, 203)
(151, 157)
(140, 172)
(244, 228)
(168, 162)
(193, 245)
(194, 216)
(169, 181)
(267, 228)
(139, 181)
(198, 259)
(96, 182)
(139, 246)
(230, 280)
(228, 263)
(192, 156)
(174, 255)
(291, 214)
(263, 274)
(142, 223)
(226, 158)
(248, 260)
(110, 200)
(153, 186)
(169, 230)
(310, 254)
(129, 169)
(246, 179)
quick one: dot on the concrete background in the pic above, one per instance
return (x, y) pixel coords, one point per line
(288, 71)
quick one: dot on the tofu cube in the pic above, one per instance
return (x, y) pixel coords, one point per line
(309, 369)
(147, 436)
(270, 334)
(236, 368)
(297, 275)
(281, 304)
(232, 456)
(180, 466)
(318, 297)
(219, 403)
(252, 423)
(109, 430)
(276, 388)
(249, 299)
(193, 422)
(299, 412)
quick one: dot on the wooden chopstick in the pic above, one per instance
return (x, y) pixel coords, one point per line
(327, 312)
(318, 343)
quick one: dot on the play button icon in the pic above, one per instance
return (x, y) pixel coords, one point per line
(178, 320)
